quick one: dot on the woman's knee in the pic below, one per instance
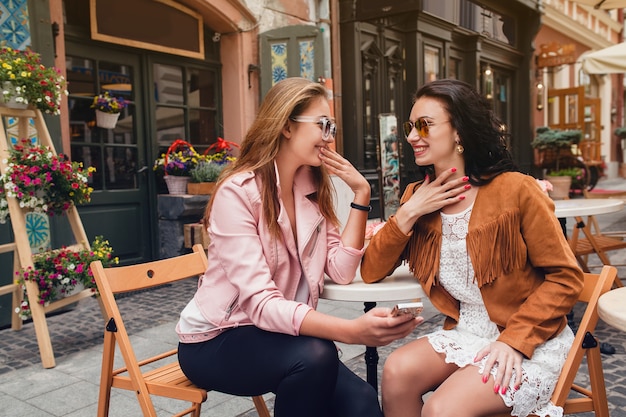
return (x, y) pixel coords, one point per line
(318, 351)
(435, 407)
(316, 357)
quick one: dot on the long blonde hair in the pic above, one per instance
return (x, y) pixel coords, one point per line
(287, 98)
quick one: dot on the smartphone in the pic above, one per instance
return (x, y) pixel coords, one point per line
(414, 309)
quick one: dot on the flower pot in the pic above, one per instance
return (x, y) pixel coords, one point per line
(106, 120)
(10, 102)
(176, 185)
(196, 188)
(560, 187)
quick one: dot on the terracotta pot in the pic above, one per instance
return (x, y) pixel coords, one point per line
(200, 188)
(560, 186)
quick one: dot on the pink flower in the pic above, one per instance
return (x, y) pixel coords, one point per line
(545, 185)
(373, 228)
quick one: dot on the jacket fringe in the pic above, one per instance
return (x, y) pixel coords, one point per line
(423, 252)
(497, 248)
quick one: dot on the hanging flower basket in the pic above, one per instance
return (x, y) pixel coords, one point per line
(106, 120)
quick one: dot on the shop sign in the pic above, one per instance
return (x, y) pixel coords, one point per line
(554, 54)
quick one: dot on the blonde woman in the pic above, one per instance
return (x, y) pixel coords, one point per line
(252, 326)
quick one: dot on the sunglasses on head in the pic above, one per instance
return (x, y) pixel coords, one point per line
(329, 128)
(421, 124)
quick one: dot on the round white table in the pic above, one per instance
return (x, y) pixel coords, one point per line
(399, 286)
(612, 308)
(586, 207)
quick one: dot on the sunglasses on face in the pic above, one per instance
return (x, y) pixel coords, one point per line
(329, 128)
(422, 125)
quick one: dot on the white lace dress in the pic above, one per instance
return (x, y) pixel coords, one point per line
(475, 330)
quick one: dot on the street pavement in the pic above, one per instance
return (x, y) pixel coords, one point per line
(71, 388)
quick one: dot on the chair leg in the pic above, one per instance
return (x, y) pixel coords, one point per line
(596, 379)
(261, 407)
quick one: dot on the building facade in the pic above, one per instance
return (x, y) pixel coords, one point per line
(567, 96)
(197, 70)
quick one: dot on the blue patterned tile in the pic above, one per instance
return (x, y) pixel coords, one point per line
(307, 58)
(14, 24)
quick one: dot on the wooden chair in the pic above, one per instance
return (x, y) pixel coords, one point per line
(585, 344)
(166, 380)
(595, 242)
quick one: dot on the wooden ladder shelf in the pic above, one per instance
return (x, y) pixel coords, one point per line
(23, 256)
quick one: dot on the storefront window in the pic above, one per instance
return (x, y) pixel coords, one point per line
(186, 105)
(431, 63)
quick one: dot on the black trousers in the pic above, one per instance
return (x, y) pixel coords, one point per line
(304, 372)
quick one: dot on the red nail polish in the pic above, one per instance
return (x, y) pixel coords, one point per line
(461, 197)
(485, 379)
(467, 186)
(466, 178)
(496, 388)
(453, 170)
(503, 391)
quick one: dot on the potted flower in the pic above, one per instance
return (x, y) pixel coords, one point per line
(108, 109)
(62, 272)
(42, 181)
(176, 164)
(24, 81)
(210, 166)
(563, 180)
(203, 177)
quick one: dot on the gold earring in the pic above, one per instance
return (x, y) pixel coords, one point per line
(459, 148)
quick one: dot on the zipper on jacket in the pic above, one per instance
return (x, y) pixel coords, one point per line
(316, 237)
(230, 308)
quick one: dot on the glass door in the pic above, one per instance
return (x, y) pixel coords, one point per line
(120, 209)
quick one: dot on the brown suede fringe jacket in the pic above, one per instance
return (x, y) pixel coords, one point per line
(528, 277)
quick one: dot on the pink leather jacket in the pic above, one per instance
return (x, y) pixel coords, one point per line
(252, 277)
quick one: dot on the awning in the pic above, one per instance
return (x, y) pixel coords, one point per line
(609, 60)
(603, 4)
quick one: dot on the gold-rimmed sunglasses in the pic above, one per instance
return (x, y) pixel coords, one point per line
(422, 125)
(329, 128)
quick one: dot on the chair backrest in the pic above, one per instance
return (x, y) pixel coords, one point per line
(116, 280)
(167, 380)
(584, 343)
(592, 399)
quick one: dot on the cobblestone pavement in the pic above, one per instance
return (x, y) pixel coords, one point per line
(81, 329)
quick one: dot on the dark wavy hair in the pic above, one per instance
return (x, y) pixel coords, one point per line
(480, 131)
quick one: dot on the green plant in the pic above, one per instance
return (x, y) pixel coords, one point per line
(59, 271)
(33, 82)
(206, 171)
(577, 174)
(547, 138)
(42, 181)
(620, 132)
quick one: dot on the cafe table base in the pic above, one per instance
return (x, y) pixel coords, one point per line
(399, 286)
